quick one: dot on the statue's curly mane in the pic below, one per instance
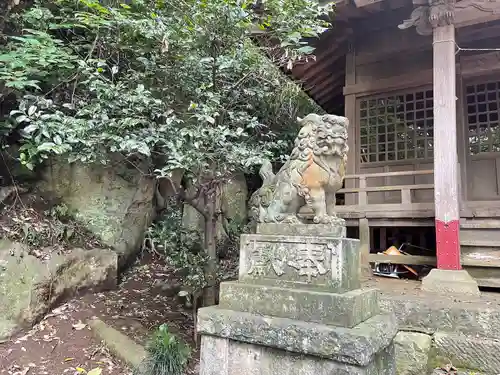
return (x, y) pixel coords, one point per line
(319, 138)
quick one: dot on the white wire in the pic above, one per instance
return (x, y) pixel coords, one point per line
(467, 49)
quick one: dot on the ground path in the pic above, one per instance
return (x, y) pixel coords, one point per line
(62, 342)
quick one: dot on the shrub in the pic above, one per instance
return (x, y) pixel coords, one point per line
(167, 355)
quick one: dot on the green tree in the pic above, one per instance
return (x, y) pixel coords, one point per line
(189, 85)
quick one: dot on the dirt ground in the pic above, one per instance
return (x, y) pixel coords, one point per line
(62, 343)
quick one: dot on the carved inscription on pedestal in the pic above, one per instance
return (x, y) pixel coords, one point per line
(306, 262)
(267, 258)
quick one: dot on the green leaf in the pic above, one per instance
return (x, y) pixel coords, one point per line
(30, 128)
(46, 146)
(306, 50)
(22, 118)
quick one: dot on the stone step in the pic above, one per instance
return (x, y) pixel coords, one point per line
(344, 310)
(431, 315)
(470, 352)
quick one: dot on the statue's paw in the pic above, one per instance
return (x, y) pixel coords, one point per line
(291, 219)
(320, 219)
(282, 218)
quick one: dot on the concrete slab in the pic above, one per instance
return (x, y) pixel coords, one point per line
(419, 311)
(469, 352)
(120, 345)
(447, 282)
(431, 315)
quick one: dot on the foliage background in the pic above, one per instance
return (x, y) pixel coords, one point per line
(179, 83)
(191, 85)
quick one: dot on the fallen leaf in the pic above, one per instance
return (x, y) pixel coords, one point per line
(79, 326)
(96, 371)
(68, 359)
(80, 370)
(23, 372)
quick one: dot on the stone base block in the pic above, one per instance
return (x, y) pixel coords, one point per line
(412, 353)
(223, 356)
(344, 310)
(327, 263)
(450, 282)
(468, 352)
(325, 230)
(358, 346)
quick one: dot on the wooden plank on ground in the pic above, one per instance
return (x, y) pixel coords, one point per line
(403, 259)
(427, 260)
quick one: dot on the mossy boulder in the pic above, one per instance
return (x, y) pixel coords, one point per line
(115, 203)
(30, 287)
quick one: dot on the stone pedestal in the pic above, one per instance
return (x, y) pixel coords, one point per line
(297, 309)
(448, 282)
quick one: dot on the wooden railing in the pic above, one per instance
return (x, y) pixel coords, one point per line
(405, 190)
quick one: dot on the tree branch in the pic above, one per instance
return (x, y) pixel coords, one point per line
(192, 199)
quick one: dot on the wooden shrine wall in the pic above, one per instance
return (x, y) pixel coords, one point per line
(388, 95)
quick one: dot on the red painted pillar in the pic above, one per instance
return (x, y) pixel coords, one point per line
(446, 194)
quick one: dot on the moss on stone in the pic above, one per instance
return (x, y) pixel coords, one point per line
(116, 209)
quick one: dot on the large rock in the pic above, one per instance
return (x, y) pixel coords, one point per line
(412, 353)
(234, 198)
(114, 203)
(29, 287)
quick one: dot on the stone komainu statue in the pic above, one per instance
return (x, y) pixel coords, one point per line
(311, 176)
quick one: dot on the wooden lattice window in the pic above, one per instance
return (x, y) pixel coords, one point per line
(482, 117)
(397, 127)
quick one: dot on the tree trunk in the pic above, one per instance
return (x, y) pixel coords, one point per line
(209, 295)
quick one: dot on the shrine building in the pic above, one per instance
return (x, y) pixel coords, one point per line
(420, 85)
